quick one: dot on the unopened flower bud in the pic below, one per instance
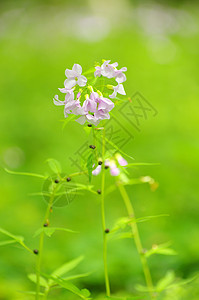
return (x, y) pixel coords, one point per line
(56, 181)
(35, 251)
(109, 86)
(68, 179)
(107, 230)
(99, 192)
(89, 125)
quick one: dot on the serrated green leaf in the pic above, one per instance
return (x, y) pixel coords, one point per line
(50, 230)
(165, 281)
(25, 174)
(54, 165)
(42, 281)
(8, 242)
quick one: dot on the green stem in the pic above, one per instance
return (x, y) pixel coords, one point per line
(41, 243)
(137, 239)
(103, 220)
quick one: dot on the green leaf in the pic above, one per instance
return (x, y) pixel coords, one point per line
(50, 230)
(181, 282)
(17, 238)
(90, 166)
(33, 278)
(67, 267)
(76, 276)
(165, 281)
(25, 174)
(30, 293)
(54, 165)
(118, 149)
(148, 218)
(123, 235)
(141, 164)
(143, 289)
(161, 249)
(3, 243)
(84, 293)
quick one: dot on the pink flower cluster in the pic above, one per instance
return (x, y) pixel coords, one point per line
(112, 164)
(95, 107)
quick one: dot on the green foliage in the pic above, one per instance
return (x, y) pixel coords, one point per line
(161, 249)
(54, 165)
(50, 230)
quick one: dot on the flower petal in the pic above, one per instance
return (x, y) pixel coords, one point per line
(97, 170)
(81, 120)
(69, 83)
(70, 73)
(82, 80)
(57, 101)
(121, 89)
(77, 69)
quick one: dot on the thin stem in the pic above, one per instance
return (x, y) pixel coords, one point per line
(137, 239)
(41, 243)
(103, 220)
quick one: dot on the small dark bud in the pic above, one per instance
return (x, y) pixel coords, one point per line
(107, 230)
(35, 251)
(45, 225)
(89, 125)
(100, 162)
(56, 181)
(68, 179)
(92, 146)
(51, 209)
(106, 167)
(99, 192)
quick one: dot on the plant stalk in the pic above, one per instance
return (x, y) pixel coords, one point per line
(137, 239)
(41, 243)
(107, 284)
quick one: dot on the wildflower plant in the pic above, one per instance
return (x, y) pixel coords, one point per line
(89, 99)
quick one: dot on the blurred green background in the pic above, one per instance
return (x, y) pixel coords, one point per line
(159, 43)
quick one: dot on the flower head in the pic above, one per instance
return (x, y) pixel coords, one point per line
(117, 89)
(74, 77)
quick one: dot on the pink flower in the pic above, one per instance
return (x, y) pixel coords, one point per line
(74, 77)
(95, 108)
(117, 89)
(113, 168)
(121, 160)
(97, 170)
(120, 76)
(71, 105)
(106, 69)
